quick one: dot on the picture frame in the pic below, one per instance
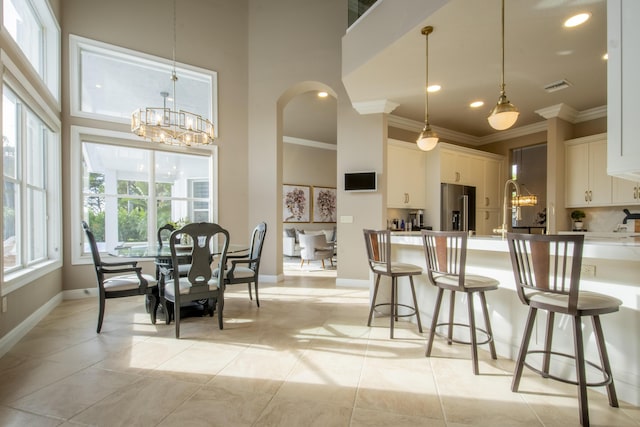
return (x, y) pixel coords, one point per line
(324, 204)
(296, 203)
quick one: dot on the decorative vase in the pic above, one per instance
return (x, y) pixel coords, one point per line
(577, 225)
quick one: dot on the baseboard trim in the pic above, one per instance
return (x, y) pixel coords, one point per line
(353, 283)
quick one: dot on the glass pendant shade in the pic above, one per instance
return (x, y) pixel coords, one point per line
(428, 139)
(503, 115)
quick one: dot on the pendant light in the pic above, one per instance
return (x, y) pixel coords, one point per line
(428, 139)
(504, 114)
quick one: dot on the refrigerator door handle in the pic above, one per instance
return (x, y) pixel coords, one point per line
(465, 213)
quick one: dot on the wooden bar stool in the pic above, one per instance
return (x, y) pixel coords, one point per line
(446, 254)
(378, 245)
(546, 269)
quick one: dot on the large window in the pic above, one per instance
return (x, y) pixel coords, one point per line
(128, 192)
(111, 82)
(32, 25)
(30, 188)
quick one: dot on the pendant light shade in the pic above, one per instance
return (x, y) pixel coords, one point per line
(504, 114)
(428, 139)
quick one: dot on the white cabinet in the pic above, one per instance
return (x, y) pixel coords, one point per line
(586, 172)
(487, 220)
(406, 168)
(460, 168)
(490, 195)
(623, 88)
(625, 192)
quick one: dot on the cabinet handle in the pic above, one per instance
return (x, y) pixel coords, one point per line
(406, 197)
(635, 192)
(486, 202)
(586, 196)
(457, 176)
(486, 215)
(590, 196)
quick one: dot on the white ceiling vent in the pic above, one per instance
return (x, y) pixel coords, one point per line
(559, 85)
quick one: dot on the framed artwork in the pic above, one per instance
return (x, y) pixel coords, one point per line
(324, 204)
(296, 203)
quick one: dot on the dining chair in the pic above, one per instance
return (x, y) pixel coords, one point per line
(209, 240)
(446, 257)
(546, 269)
(120, 279)
(246, 268)
(314, 247)
(378, 244)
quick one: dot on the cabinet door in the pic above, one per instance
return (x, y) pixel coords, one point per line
(577, 175)
(492, 185)
(599, 181)
(449, 172)
(406, 178)
(625, 192)
(487, 220)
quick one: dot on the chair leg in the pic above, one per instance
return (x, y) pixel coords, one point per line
(373, 301)
(434, 322)
(524, 347)
(394, 305)
(452, 305)
(255, 284)
(487, 323)
(249, 287)
(322, 263)
(604, 360)
(581, 375)
(220, 308)
(176, 316)
(472, 333)
(100, 311)
(301, 262)
(153, 304)
(415, 304)
(548, 338)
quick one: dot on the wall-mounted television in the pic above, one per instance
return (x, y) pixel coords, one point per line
(360, 181)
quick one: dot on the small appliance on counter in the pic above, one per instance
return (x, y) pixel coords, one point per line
(416, 219)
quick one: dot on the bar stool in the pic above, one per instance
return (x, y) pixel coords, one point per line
(546, 269)
(446, 254)
(378, 245)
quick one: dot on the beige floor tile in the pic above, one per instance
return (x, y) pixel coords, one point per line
(370, 418)
(13, 418)
(309, 413)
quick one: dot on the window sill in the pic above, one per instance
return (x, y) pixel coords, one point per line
(16, 280)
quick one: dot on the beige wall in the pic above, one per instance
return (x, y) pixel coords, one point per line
(211, 35)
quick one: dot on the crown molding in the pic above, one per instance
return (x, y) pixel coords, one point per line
(309, 143)
(373, 107)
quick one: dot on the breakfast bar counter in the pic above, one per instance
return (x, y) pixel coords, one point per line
(611, 265)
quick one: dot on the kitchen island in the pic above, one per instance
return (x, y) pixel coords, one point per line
(611, 265)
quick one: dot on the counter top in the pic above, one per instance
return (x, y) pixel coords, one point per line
(619, 247)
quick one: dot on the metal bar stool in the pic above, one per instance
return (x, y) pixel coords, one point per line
(446, 254)
(378, 243)
(546, 269)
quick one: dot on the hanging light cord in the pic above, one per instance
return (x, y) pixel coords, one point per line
(502, 35)
(174, 77)
(426, 31)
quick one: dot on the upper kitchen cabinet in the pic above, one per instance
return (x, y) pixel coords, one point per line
(406, 172)
(586, 172)
(623, 89)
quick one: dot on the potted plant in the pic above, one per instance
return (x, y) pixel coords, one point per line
(577, 216)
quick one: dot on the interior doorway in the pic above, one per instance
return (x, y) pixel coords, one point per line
(529, 168)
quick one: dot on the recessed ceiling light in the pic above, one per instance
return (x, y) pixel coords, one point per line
(434, 88)
(576, 20)
(98, 85)
(605, 56)
(322, 94)
(476, 104)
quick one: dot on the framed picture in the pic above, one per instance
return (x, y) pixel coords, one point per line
(324, 204)
(296, 203)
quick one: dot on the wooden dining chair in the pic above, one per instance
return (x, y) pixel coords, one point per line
(546, 270)
(120, 279)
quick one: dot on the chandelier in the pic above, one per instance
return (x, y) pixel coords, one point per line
(168, 126)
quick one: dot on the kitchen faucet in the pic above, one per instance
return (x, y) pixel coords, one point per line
(518, 201)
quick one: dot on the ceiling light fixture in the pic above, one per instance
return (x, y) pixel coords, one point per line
(504, 114)
(476, 104)
(322, 94)
(576, 20)
(428, 139)
(434, 88)
(164, 125)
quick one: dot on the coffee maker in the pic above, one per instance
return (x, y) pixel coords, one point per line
(416, 218)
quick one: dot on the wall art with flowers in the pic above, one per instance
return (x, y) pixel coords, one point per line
(324, 204)
(296, 203)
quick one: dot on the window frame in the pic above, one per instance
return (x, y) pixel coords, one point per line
(77, 44)
(30, 98)
(80, 134)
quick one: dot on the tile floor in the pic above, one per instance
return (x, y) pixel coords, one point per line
(305, 358)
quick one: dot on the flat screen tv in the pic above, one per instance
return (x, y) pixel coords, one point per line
(360, 181)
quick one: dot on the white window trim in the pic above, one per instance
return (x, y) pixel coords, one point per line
(28, 94)
(77, 134)
(77, 44)
(52, 49)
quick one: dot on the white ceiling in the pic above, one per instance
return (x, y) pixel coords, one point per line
(464, 58)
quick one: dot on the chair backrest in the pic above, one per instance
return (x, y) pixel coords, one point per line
(310, 243)
(547, 263)
(95, 253)
(445, 253)
(208, 240)
(257, 241)
(378, 244)
(164, 233)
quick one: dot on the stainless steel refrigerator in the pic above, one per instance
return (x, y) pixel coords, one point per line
(457, 207)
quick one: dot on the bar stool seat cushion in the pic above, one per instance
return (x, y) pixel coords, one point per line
(471, 281)
(398, 268)
(586, 300)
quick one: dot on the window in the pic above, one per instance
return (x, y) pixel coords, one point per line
(32, 25)
(112, 82)
(31, 182)
(130, 189)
